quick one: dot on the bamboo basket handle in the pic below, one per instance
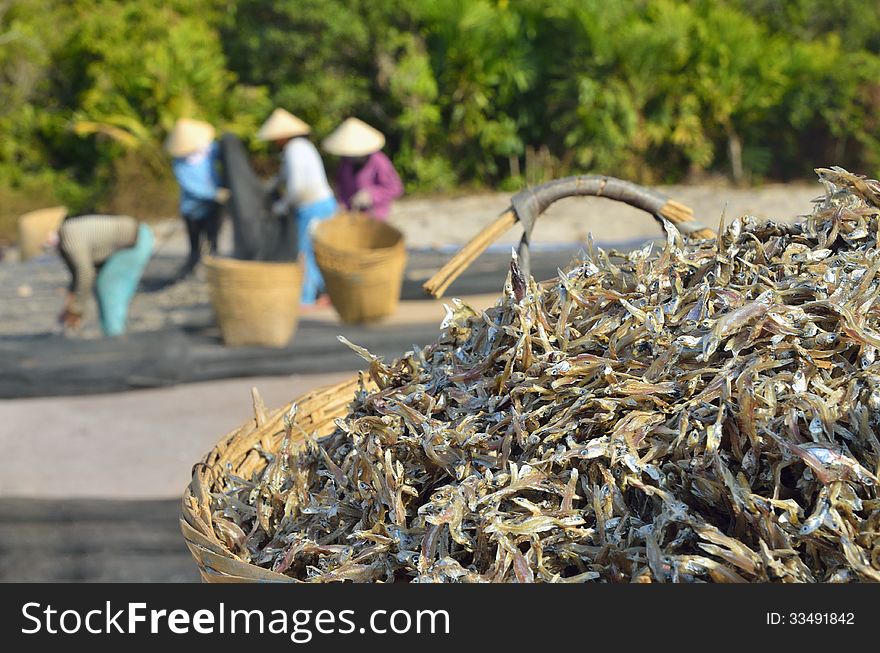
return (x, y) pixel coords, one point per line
(527, 205)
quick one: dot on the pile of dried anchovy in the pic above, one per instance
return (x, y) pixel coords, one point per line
(708, 412)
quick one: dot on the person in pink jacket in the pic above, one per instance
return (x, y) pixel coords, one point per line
(366, 179)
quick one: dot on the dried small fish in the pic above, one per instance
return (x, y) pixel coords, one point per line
(707, 412)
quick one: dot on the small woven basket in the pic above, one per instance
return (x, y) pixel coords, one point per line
(237, 453)
(34, 228)
(362, 261)
(256, 302)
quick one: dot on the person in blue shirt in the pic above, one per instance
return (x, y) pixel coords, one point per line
(195, 155)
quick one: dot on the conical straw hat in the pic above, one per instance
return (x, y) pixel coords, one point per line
(282, 124)
(354, 138)
(189, 136)
(35, 227)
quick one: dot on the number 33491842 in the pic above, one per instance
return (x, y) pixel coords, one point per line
(812, 618)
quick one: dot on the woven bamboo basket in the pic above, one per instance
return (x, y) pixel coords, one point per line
(239, 451)
(256, 302)
(362, 261)
(34, 228)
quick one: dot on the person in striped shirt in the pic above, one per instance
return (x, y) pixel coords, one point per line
(106, 256)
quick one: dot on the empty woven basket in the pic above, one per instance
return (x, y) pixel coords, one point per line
(362, 261)
(256, 302)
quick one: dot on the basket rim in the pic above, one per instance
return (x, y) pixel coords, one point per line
(320, 240)
(215, 561)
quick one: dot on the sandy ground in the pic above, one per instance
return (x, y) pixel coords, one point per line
(131, 445)
(438, 223)
(448, 223)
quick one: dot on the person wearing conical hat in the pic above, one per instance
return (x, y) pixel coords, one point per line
(195, 161)
(366, 179)
(307, 197)
(106, 256)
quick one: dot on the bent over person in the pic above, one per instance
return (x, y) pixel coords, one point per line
(106, 255)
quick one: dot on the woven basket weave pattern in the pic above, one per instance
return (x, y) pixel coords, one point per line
(362, 261)
(257, 303)
(237, 453)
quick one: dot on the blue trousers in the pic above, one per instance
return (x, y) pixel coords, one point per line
(307, 218)
(118, 280)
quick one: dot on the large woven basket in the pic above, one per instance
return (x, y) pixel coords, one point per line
(241, 452)
(256, 302)
(34, 228)
(362, 261)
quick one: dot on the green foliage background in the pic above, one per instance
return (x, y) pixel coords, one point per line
(471, 93)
